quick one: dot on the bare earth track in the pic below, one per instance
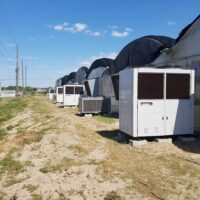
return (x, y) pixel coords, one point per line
(54, 153)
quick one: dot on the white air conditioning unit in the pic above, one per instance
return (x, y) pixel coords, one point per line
(59, 94)
(156, 102)
(72, 94)
(51, 94)
(94, 105)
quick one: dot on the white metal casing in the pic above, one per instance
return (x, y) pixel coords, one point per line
(153, 117)
(51, 94)
(72, 99)
(59, 96)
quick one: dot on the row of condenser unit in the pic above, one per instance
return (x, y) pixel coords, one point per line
(74, 95)
(152, 102)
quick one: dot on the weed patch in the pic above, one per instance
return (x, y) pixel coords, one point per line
(104, 119)
(31, 188)
(3, 133)
(112, 196)
(11, 108)
(8, 164)
(62, 165)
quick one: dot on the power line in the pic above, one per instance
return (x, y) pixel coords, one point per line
(7, 31)
(7, 27)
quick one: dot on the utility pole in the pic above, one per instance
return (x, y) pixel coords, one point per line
(0, 90)
(17, 71)
(22, 78)
(25, 79)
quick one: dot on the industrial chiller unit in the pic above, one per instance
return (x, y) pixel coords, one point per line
(51, 93)
(72, 93)
(59, 94)
(156, 102)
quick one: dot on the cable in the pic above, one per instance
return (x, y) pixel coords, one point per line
(5, 21)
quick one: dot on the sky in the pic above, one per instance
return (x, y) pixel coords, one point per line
(56, 37)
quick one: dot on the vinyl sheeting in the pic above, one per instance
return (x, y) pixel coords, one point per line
(71, 78)
(81, 75)
(140, 52)
(96, 65)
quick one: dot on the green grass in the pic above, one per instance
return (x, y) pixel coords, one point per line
(10, 127)
(36, 197)
(3, 133)
(10, 108)
(41, 106)
(77, 148)
(112, 196)
(104, 119)
(13, 180)
(31, 188)
(9, 165)
(61, 165)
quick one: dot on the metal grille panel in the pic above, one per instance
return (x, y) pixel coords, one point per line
(60, 90)
(78, 90)
(150, 86)
(69, 90)
(178, 86)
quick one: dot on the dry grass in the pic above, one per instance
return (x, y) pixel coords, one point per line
(78, 149)
(9, 165)
(157, 176)
(63, 164)
(41, 106)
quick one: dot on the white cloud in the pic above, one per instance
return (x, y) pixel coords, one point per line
(90, 60)
(171, 23)
(74, 28)
(11, 45)
(58, 27)
(91, 33)
(96, 33)
(77, 27)
(119, 34)
(129, 29)
(80, 27)
(83, 27)
(69, 29)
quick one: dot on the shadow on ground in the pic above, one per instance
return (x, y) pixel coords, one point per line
(115, 135)
(113, 115)
(189, 146)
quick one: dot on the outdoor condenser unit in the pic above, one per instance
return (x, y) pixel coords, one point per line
(72, 94)
(59, 94)
(51, 94)
(156, 102)
(94, 105)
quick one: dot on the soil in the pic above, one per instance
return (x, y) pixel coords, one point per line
(70, 160)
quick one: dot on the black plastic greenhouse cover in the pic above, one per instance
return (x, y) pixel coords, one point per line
(181, 34)
(64, 80)
(58, 82)
(140, 52)
(102, 62)
(71, 77)
(81, 75)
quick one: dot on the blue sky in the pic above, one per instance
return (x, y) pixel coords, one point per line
(58, 36)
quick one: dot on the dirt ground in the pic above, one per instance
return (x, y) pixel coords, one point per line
(54, 153)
